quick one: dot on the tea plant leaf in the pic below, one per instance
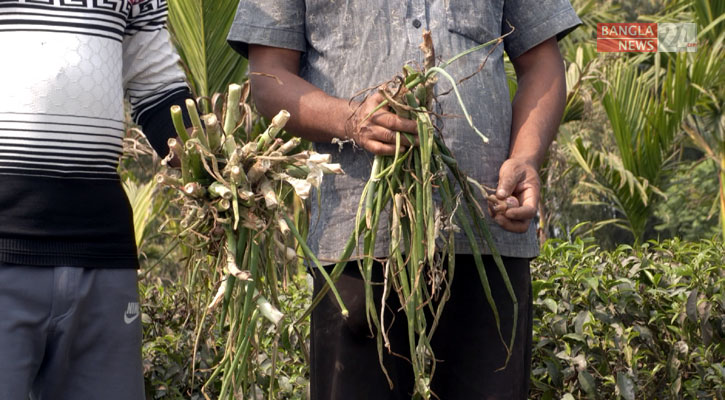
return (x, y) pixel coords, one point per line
(537, 286)
(575, 336)
(582, 318)
(676, 386)
(554, 371)
(593, 283)
(691, 307)
(625, 386)
(586, 381)
(705, 326)
(551, 304)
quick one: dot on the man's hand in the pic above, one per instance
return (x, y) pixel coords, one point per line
(317, 116)
(376, 133)
(519, 179)
(536, 113)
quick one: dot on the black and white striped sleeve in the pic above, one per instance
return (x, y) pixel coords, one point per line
(153, 81)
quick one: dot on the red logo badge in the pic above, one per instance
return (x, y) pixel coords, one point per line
(627, 37)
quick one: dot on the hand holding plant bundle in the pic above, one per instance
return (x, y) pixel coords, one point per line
(421, 261)
(239, 185)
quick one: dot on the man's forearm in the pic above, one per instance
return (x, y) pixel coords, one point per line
(315, 115)
(539, 102)
(537, 110)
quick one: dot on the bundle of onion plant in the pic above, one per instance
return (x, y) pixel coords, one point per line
(238, 185)
(421, 228)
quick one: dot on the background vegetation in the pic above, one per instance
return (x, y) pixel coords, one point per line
(629, 294)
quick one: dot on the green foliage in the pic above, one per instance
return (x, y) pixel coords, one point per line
(169, 343)
(706, 127)
(199, 29)
(645, 107)
(181, 344)
(690, 208)
(590, 12)
(634, 323)
(141, 197)
(650, 102)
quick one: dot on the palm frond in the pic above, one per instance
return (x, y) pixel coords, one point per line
(580, 70)
(199, 29)
(627, 192)
(141, 197)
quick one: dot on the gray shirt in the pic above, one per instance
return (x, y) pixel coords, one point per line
(351, 45)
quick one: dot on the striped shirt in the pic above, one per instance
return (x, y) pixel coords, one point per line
(68, 64)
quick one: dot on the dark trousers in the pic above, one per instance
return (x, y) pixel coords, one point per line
(69, 333)
(467, 345)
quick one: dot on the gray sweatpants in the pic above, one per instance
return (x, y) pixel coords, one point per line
(69, 333)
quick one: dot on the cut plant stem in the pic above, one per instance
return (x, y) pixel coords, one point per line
(316, 262)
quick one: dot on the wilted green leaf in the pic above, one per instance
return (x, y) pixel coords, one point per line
(559, 325)
(673, 366)
(644, 332)
(593, 283)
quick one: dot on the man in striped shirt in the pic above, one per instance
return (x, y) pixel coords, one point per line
(70, 325)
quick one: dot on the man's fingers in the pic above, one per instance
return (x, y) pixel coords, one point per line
(387, 136)
(507, 182)
(376, 97)
(517, 226)
(521, 213)
(384, 135)
(380, 148)
(395, 123)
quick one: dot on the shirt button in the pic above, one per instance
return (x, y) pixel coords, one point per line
(416, 23)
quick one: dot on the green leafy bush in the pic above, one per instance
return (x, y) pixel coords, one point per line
(168, 345)
(689, 210)
(175, 348)
(633, 323)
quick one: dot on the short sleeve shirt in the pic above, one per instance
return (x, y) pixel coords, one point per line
(351, 45)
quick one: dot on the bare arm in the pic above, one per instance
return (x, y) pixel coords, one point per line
(537, 110)
(315, 115)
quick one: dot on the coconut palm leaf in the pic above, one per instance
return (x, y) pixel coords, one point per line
(590, 12)
(706, 128)
(710, 18)
(199, 29)
(141, 197)
(645, 108)
(629, 194)
(581, 69)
